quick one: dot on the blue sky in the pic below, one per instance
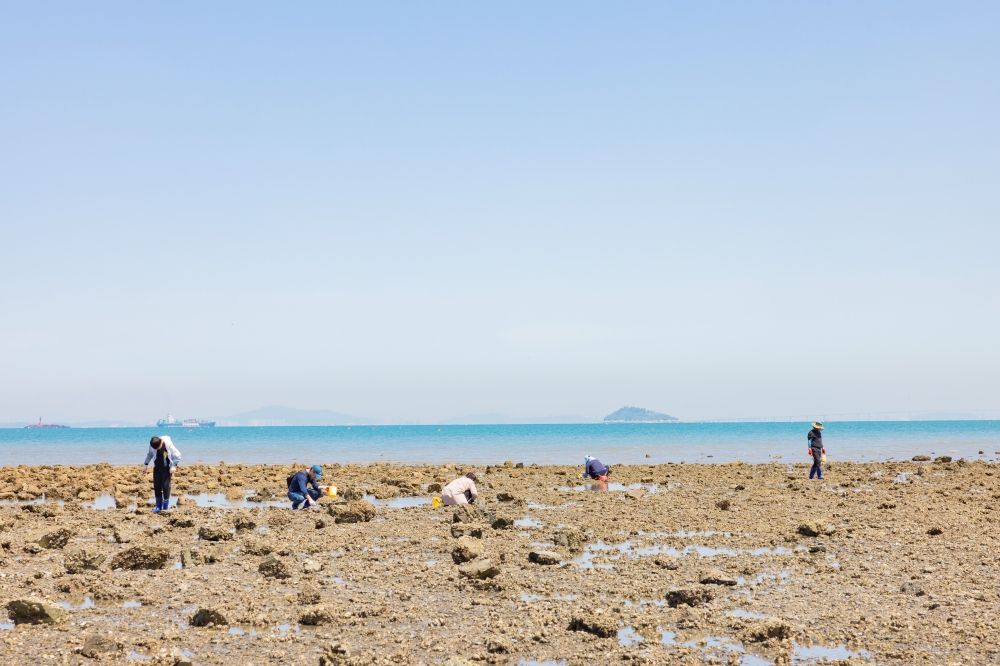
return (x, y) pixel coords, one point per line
(416, 211)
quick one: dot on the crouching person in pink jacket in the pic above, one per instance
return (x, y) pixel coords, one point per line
(460, 491)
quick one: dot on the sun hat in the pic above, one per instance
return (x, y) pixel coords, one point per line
(318, 471)
(818, 425)
(588, 459)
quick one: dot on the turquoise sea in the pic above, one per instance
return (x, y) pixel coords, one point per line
(481, 444)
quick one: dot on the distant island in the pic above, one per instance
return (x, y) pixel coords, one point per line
(638, 415)
(44, 425)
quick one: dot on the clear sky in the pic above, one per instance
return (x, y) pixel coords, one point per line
(416, 211)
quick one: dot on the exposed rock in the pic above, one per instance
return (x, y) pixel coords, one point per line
(190, 558)
(463, 530)
(78, 561)
(457, 661)
(694, 596)
(274, 567)
(602, 625)
(479, 569)
(433, 487)
(35, 611)
(244, 523)
(254, 545)
(770, 628)
(670, 564)
(309, 595)
(635, 493)
(569, 538)
(500, 523)
(353, 494)
(124, 534)
(96, 646)
(56, 539)
(466, 550)
(182, 521)
(317, 616)
(141, 557)
(361, 511)
(912, 587)
(815, 528)
(472, 514)
(208, 616)
(943, 459)
(312, 566)
(506, 497)
(336, 654)
(214, 533)
(716, 577)
(920, 458)
(544, 557)
(934, 531)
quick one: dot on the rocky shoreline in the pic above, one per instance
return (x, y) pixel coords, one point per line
(729, 564)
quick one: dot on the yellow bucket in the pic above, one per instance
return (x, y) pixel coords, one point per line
(331, 491)
(436, 501)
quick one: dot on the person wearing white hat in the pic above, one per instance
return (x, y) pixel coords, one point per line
(816, 450)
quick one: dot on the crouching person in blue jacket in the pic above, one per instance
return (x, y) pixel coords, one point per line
(298, 487)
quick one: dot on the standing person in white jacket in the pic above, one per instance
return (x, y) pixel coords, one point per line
(460, 491)
(167, 458)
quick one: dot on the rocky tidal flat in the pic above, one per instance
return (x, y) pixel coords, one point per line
(882, 563)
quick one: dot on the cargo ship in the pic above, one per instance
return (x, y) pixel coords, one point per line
(171, 422)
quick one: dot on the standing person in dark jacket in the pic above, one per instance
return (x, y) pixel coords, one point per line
(298, 487)
(167, 458)
(816, 449)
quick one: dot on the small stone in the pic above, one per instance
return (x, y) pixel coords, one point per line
(501, 523)
(716, 577)
(206, 616)
(943, 459)
(309, 595)
(458, 531)
(182, 521)
(466, 550)
(920, 458)
(35, 611)
(723, 505)
(635, 493)
(433, 487)
(234, 494)
(912, 587)
(934, 531)
(274, 567)
(312, 566)
(244, 523)
(546, 557)
(506, 497)
(335, 655)
(569, 538)
(479, 569)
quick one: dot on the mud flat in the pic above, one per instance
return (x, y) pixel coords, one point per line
(729, 564)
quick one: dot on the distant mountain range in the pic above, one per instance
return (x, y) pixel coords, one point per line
(638, 415)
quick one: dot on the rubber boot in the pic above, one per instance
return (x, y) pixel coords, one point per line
(166, 505)
(159, 505)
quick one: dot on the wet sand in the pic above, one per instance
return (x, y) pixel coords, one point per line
(728, 564)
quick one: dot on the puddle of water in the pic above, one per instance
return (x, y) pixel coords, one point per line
(101, 503)
(628, 636)
(135, 655)
(802, 654)
(132, 604)
(739, 612)
(527, 521)
(644, 602)
(535, 662)
(399, 502)
(430, 563)
(236, 631)
(6, 625)
(219, 500)
(87, 603)
(285, 628)
(531, 597)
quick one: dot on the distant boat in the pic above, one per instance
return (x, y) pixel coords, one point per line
(171, 422)
(45, 425)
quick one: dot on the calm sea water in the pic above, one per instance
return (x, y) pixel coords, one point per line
(480, 444)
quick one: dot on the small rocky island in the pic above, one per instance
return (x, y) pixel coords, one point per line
(638, 415)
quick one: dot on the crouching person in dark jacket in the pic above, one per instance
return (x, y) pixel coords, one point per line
(298, 487)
